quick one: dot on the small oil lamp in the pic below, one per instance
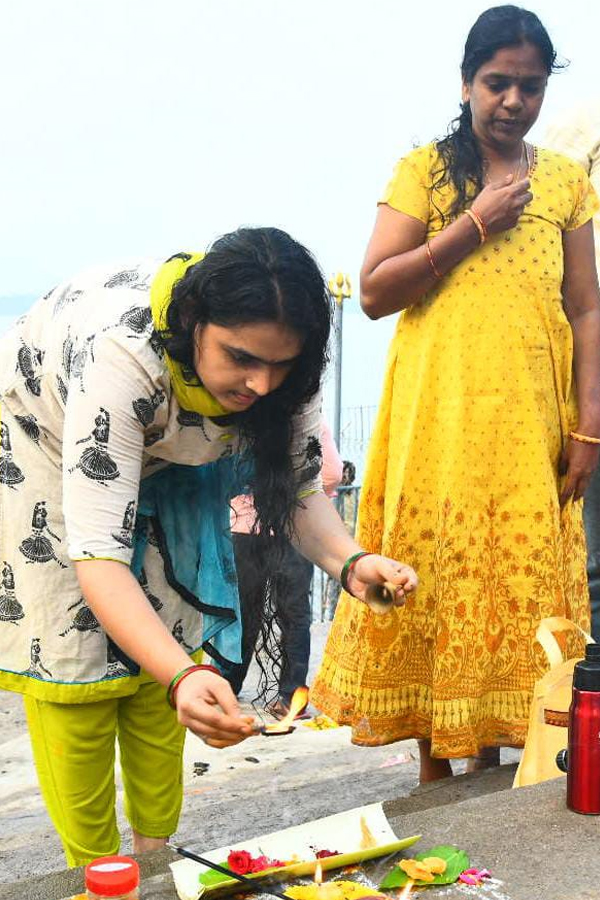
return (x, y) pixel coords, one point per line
(298, 703)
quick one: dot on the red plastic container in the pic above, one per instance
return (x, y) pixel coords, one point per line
(114, 877)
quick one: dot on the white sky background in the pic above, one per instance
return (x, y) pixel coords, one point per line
(140, 127)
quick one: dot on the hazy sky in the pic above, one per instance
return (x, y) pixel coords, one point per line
(146, 126)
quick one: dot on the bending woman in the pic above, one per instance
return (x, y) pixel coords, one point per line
(135, 402)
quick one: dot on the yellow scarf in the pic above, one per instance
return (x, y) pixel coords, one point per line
(192, 397)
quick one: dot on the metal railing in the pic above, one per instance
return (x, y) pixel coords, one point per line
(325, 590)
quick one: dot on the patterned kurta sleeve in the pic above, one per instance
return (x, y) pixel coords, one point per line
(306, 449)
(103, 444)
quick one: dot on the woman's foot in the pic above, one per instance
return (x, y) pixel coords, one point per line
(486, 758)
(143, 844)
(432, 768)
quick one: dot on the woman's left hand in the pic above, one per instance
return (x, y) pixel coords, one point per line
(578, 463)
(373, 569)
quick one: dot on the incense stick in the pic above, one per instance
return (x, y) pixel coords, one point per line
(254, 883)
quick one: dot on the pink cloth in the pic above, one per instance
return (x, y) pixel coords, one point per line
(242, 507)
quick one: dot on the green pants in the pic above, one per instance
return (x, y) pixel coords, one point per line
(74, 752)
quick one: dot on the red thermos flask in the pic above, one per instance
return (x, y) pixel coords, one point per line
(582, 761)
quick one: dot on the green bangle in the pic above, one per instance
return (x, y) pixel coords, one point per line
(349, 565)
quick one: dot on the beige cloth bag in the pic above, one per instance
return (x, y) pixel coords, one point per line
(549, 715)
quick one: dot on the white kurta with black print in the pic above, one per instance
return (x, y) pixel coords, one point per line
(87, 410)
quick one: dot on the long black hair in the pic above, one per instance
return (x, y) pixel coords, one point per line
(260, 275)
(496, 28)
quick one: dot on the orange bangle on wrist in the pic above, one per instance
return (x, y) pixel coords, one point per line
(478, 223)
(432, 264)
(583, 438)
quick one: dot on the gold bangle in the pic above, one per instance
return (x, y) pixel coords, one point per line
(434, 268)
(583, 438)
(478, 223)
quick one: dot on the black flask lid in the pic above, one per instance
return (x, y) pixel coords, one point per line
(586, 676)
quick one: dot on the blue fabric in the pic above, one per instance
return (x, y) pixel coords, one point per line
(191, 504)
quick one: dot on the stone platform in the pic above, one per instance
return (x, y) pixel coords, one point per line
(535, 847)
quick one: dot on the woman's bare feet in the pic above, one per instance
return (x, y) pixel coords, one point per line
(432, 768)
(143, 844)
(487, 758)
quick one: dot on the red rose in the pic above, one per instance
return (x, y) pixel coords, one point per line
(260, 863)
(276, 864)
(322, 854)
(240, 862)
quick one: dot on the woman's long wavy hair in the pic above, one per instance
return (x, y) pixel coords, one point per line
(249, 276)
(495, 29)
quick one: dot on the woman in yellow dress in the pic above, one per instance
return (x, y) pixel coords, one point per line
(488, 428)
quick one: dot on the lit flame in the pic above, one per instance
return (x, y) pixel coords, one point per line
(298, 702)
(319, 874)
(406, 891)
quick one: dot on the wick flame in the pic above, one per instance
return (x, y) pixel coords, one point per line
(297, 704)
(319, 874)
(406, 891)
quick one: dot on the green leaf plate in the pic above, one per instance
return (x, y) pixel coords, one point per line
(214, 880)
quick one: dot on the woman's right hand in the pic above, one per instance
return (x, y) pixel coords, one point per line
(500, 204)
(207, 706)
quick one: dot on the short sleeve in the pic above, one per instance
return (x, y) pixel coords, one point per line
(409, 190)
(585, 201)
(103, 442)
(306, 449)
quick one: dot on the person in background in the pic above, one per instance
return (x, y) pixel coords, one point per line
(488, 430)
(577, 134)
(295, 576)
(347, 497)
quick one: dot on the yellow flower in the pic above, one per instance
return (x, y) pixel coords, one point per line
(423, 869)
(435, 864)
(415, 870)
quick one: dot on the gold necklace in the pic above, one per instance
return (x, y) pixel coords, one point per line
(523, 159)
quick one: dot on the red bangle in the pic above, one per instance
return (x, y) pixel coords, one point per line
(176, 681)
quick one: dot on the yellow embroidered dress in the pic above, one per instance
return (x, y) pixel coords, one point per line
(462, 481)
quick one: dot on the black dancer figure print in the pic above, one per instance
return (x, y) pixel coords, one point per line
(145, 408)
(177, 632)
(154, 600)
(63, 390)
(36, 666)
(29, 360)
(31, 428)
(125, 535)
(37, 548)
(157, 344)
(114, 667)
(65, 298)
(10, 473)
(95, 462)
(130, 278)
(138, 319)
(84, 620)
(75, 359)
(10, 608)
(313, 454)
(188, 419)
